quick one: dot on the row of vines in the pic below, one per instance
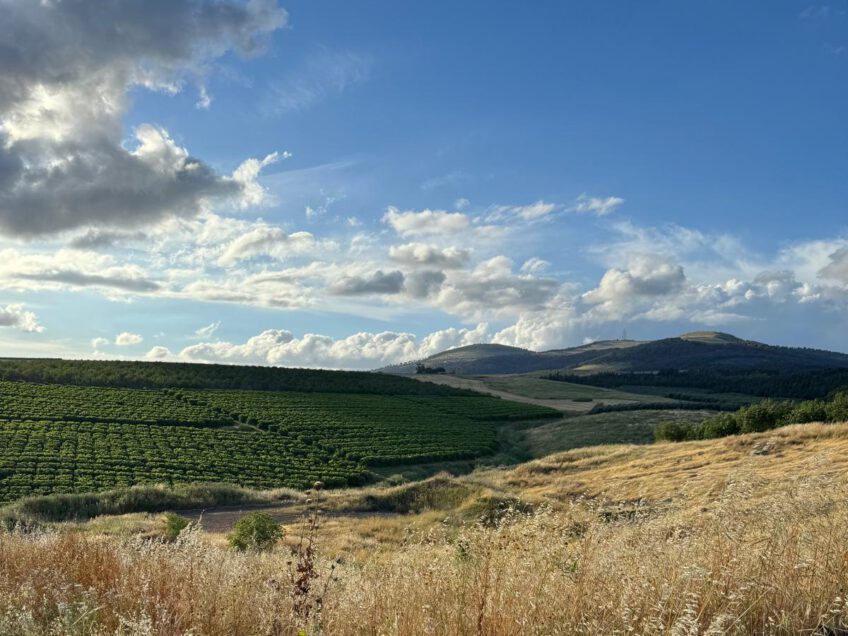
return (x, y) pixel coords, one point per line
(69, 438)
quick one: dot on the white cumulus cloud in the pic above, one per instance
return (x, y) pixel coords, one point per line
(15, 315)
(126, 339)
(425, 222)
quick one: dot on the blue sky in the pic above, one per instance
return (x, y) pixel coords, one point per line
(352, 184)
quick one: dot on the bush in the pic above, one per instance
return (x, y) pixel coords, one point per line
(837, 409)
(174, 524)
(810, 411)
(256, 531)
(675, 432)
(720, 426)
(763, 416)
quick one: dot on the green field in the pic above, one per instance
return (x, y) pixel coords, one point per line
(63, 438)
(377, 430)
(629, 427)
(540, 388)
(48, 457)
(27, 401)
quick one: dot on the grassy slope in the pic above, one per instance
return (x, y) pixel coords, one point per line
(536, 387)
(693, 472)
(625, 427)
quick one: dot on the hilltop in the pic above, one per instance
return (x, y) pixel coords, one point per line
(699, 350)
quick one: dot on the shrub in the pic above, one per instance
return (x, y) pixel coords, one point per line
(675, 432)
(837, 409)
(810, 411)
(256, 531)
(763, 416)
(174, 524)
(720, 426)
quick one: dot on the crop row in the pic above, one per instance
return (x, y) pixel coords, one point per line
(48, 457)
(24, 400)
(363, 427)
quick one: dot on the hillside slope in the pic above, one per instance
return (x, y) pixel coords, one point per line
(696, 350)
(689, 475)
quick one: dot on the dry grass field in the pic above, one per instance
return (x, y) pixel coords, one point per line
(742, 535)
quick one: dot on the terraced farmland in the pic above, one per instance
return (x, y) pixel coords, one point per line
(62, 438)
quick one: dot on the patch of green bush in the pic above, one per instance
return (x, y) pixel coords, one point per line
(174, 525)
(256, 531)
(153, 498)
(440, 492)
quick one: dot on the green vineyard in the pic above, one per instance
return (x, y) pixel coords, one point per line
(26, 401)
(368, 428)
(59, 438)
(46, 457)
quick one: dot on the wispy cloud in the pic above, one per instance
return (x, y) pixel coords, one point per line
(324, 74)
(208, 330)
(818, 11)
(600, 206)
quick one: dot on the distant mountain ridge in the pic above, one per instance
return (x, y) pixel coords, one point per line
(694, 350)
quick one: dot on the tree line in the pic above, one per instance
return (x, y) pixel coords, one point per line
(762, 416)
(807, 384)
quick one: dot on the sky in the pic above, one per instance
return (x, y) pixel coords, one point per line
(353, 184)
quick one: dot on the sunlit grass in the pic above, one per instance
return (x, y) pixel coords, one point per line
(745, 535)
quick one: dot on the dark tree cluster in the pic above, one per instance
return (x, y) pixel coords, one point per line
(805, 384)
(754, 418)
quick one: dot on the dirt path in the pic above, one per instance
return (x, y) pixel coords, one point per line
(220, 519)
(477, 385)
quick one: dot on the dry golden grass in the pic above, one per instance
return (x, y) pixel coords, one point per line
(685, 539)
(690, 472)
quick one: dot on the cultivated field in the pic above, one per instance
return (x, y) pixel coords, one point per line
(742, 535)
(71, 439)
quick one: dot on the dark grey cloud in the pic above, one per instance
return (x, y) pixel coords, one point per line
(505, 291)
(103, 184)
(65, 68)
(423, 284)
(69, 277)
(377, 283)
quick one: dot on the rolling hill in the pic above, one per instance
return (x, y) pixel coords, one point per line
(696, 350)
